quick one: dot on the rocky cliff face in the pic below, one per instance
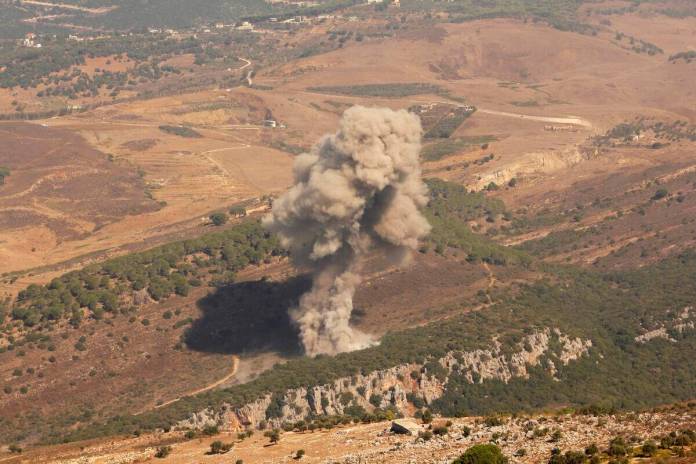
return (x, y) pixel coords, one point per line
(399, 386)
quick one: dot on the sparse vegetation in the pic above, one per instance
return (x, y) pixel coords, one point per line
(441, 149)
(380, 90)
(638, 45)
(450, 209)
(181, 131)
(687, 57)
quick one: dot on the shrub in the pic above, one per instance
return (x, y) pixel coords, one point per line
(210, 430)
(163, 451)
(238, 211)
(482, 454)
(299, 454)
(273, 435)
(649, 448)
(617, 447)
(218, 447)
(660, 194)
(218, 219)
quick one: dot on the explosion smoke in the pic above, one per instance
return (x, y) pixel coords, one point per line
(356, 190)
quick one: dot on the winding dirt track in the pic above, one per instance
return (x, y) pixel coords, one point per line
(217, 383)
(571, 120)
(65, 6)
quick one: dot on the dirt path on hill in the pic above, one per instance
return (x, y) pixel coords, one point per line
(555, 120)
(65, 6)
(217, 383)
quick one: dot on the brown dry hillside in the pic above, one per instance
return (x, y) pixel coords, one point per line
(526, 439)
(60, 189)
(589, 144)
(581, 86)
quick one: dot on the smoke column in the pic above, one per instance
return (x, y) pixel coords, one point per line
(356, 190)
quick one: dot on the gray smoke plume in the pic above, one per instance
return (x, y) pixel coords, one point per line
(356, 190)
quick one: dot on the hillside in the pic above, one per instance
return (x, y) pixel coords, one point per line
(660, 435)
(143, 304)
(573, 338)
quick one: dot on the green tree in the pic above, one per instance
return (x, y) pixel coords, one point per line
(218, 219)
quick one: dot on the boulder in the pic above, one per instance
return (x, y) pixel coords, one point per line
(405, 427)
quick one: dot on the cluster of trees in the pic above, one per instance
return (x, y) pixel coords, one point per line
(669, 131)
(686, 56)
(78, 83)
(638, 45)
(181, 131)
(449, 123)
(380, 90)
(161, 272)
(449, 211)
(31, 67)
(560, 14)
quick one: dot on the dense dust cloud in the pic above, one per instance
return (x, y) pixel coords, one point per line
(357, 190)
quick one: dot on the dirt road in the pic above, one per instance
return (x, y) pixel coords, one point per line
(217, 383)
(573, 120)
(65, 6)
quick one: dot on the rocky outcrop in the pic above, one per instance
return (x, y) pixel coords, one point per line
(399, 386)
(673, 327)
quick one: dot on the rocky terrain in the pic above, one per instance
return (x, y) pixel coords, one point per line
(398, 387)
(523, 439)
